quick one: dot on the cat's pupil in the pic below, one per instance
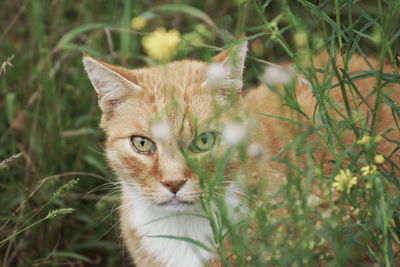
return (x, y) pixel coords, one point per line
(204, 139)
(142, 144)
(142, 141)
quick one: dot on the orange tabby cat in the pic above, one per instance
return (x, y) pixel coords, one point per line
(155, 117)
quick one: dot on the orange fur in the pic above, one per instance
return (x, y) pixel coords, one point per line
(277, 130)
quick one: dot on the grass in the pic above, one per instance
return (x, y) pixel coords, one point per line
(59, 200)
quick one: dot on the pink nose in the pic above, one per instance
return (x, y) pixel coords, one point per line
(174, 185)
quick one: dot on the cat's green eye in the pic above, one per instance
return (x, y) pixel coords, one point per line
(203, 142)
(142, 144)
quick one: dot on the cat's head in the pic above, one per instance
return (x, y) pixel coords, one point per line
(163, 123)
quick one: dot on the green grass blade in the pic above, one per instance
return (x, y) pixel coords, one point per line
(125, 35)
(71, 255)
(75, 32)
(189, 10)
(183, 238)
(10, 99)
(38, 27)
(284, 119)
(297, 140)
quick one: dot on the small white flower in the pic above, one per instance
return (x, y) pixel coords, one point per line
(301, 81)
(313, 200)
(6, 64)
(275, 75)
(216, 74)
(326, 214)
(255, 150)
(161, 130)
(233, 133)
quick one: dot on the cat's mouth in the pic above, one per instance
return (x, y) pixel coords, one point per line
(175, 201)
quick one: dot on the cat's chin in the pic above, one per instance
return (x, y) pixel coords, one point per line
(177, 205)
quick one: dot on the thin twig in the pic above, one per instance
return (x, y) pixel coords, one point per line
(5, 162)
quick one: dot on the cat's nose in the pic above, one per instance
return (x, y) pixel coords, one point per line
(174, 185)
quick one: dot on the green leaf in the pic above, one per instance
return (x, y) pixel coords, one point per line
(298, 139)
(189, 10)
(177, 215)
(95, 162)
(284, 119)
(80, 132)
(10, 99)
(37, 23)
(77, 31)
(125, 35)
(183, 238)
(78, 47)
(71, 255)
(232, 44)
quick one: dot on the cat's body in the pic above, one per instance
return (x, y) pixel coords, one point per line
(158, 185)
(256, 98)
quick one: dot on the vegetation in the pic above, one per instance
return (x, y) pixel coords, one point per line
(59, 199)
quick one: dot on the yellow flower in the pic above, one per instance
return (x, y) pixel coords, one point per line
(369, 169)
(193, 38)
(365, 139)
(368, 186)
(356, 211)
(344, 181)
(300, 39)
(376, 36)
(161, 45)
(317, 41)
(378, 138)
(379, 159)
(138, 23)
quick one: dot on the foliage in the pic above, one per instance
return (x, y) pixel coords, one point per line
(49, 135)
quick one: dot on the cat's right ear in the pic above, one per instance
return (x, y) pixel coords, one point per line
(226, 72)
(112, 84)
(234, 58)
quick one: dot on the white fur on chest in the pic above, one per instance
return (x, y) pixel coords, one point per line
(149, 220)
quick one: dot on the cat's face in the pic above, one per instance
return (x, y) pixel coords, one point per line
(161, 126)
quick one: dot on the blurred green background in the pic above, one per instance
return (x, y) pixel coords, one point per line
(49, 115)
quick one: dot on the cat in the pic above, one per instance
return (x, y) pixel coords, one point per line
(159, 187)
(157, 181)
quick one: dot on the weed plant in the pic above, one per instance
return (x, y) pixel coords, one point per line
(58, 198)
